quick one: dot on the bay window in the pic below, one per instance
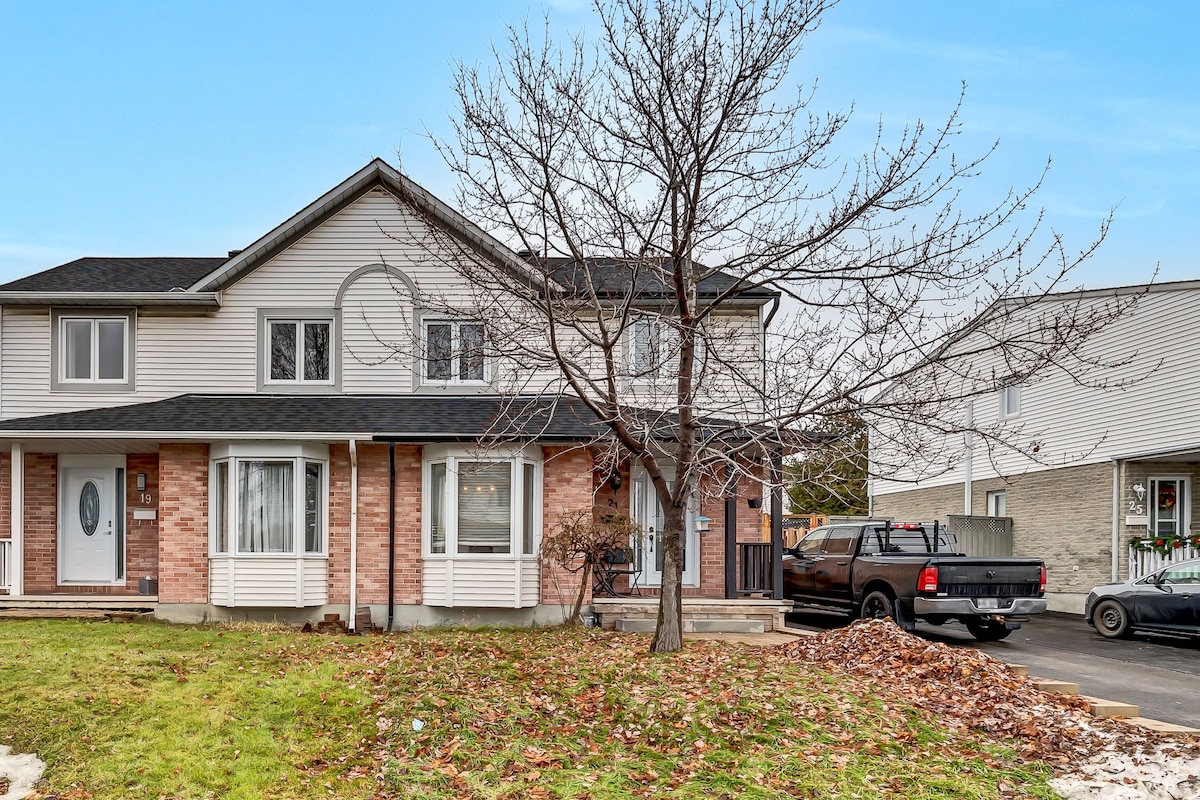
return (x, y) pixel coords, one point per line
(482, 505)
(269, 505)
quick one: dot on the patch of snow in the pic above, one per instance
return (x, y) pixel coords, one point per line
(1162, 773)
(22, 770)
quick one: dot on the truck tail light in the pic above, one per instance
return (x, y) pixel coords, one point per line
(927, 581)
(1042, 581)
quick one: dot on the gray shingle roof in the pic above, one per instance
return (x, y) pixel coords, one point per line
(415, 417)
(614, 277)
(117, 275)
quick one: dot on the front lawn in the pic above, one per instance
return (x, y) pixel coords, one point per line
(149, 710)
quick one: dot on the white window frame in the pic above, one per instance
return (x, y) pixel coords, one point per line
(59, 380)
(994, 500)
(452, 457)
(299, 323)
(455, 354)
(299, 456)
(1010, 401)
(1183, 504)
(668, 363)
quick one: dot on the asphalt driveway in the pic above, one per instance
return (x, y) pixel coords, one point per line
(1159, 674)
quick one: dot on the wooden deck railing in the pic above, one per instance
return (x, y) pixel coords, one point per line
(5, 560)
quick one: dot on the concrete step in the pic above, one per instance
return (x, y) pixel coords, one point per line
(1019, 669)
(1111, 708)
(1055, 687)
(1160, 726)
(643, 625)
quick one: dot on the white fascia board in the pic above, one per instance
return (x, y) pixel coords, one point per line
(119, 299)
(184, 436)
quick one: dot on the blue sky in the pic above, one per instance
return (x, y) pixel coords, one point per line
(191, 128)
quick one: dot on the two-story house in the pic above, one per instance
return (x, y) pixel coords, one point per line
(290, 431)
(1091, 467)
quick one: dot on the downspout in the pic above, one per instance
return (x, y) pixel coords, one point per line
(353, 533)
(1116, 521)
(765, 325)
(391, 533)
(969, 458)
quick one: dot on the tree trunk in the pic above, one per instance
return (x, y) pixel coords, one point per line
(587, 575)
(668, 635)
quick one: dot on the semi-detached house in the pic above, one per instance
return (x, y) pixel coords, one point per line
(245, 437)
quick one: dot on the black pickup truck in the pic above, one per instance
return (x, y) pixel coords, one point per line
(909, 572)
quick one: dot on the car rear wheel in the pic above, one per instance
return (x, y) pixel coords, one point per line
(1111, 619)
(878, 605)
(988, 631)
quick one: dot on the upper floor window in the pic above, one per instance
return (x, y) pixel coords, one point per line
(92, 352)
(1010, 401)
(454, 352)
(653, 349)
(298, 349)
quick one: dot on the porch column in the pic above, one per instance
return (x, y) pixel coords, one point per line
(731, 484)
(17, 524)
(776, 526)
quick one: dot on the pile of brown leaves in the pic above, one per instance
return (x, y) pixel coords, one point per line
(970, 690)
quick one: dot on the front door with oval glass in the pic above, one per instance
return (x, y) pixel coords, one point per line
(91, 533)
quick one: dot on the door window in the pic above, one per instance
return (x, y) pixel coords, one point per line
(1168, 506)
(813, 542)
(841, 540)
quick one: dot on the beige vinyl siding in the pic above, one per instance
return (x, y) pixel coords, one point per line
(480, 583)
(268, 582)
(217, 352)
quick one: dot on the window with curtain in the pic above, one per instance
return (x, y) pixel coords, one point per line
(268, 506)
(484, 507)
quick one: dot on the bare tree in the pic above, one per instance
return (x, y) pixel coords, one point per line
(630, 164)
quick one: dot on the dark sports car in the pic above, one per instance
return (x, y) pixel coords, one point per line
(1167, 601)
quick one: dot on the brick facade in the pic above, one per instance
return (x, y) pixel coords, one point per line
(41, 523)
(567, 485)
(183, 523)
(141, 535)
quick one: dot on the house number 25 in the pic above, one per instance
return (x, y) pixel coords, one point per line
(146, 497)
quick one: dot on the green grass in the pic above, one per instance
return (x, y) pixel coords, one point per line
(149, 710)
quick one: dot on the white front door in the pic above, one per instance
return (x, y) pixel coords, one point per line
(90, 530)
(647, 512)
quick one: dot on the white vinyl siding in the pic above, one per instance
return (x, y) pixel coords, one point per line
(478, 584)
(1074, 424)
(268, 582)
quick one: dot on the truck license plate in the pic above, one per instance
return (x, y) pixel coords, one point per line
(988, 602)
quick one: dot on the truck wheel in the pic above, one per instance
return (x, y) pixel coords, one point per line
(1111, 619)
(878, 605)
(988, 631)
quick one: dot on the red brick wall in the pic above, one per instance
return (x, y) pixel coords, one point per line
(566, 486)
(141, 536)
(5, 495)
(373, 524)
(183, 523)
(41, 520)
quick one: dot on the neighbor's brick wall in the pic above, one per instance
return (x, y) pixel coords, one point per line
(567, 485)
(373, 524)
(141, 536)
(919, 505)
(183, 523)
(41, 521)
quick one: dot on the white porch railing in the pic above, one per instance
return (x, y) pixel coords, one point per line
(5, 560)
(1143, 562)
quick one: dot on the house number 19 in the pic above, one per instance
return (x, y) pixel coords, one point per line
(147, 498)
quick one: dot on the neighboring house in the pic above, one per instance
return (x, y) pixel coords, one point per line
(1094, 471)
(289, 431)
